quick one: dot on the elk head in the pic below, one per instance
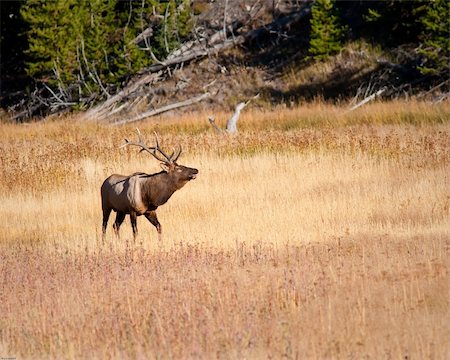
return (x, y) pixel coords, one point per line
(179, 174)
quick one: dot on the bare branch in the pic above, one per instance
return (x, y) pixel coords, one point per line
(143, 36)
(165, 29)
(212, 121)
(225, 20)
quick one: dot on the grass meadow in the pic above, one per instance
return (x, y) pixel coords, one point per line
(316, 233)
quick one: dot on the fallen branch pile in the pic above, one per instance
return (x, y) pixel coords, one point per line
(234, 34)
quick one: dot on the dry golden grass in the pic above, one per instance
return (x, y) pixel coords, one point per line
(315, 233)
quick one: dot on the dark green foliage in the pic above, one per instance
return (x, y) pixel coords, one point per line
(13, 44)
(84, 49)
(327, 33)
(423, 23)
(50, 39)
(174, 25)
(435, 38)
(389, 23)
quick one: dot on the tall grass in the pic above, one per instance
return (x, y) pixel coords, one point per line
(315, 233)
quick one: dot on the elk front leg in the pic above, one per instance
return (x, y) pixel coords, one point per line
(133, 219)
(151, 216)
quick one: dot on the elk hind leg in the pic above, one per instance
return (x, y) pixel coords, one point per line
(151, 216)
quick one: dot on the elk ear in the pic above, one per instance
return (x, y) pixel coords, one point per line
(165, 167)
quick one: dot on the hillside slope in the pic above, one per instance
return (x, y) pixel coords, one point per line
(242, 48)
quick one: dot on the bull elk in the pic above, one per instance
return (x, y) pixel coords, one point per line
(141, 193)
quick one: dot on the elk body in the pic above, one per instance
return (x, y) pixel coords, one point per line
(140, 193)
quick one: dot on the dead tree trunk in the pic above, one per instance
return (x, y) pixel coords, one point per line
(231, 127)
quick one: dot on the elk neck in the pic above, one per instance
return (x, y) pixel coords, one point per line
(158, 188)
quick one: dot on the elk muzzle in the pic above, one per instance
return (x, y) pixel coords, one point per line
(193, 174)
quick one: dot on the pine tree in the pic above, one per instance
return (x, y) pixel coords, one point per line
(85, 48)
(392, 23)
(95, 22)
(68, 45)
(51, 54)
(326, 31)
(175, 26)
(436, 44)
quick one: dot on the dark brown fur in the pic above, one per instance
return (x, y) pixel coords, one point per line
(141, 194)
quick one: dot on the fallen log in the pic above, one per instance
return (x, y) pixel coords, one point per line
(367, 99)
(102, 110)
(163, 109)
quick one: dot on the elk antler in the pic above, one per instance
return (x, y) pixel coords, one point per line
(178, 153)
(158, 148)
(140, 143)
(152, 150)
